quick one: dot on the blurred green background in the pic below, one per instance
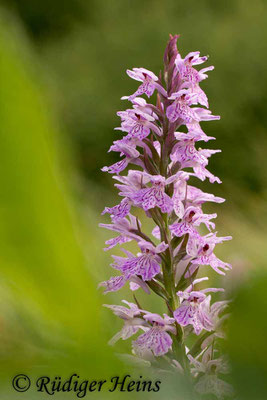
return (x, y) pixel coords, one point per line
(62, 73)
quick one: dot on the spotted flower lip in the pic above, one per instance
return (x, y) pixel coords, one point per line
(160, 154)
(155, 196)
(180, 108)
(192, 218)
(113, 284)
(156, 339)
(149, 82)
(137, 124)
(186, 70)
(201, 249)
(120, 211)
(146, 264)
(195, 307)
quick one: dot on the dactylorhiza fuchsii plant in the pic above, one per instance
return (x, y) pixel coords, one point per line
(163, 159)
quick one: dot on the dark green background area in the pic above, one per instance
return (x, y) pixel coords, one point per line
(86, 47)
(62, 73)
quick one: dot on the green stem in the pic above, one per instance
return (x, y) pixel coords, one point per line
(162, 221)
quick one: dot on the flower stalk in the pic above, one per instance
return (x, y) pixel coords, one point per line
(160, 145)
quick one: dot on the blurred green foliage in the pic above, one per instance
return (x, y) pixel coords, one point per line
(247, 339)
(50, 311)
(85, 61)
(86, 70)
(45, 18)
